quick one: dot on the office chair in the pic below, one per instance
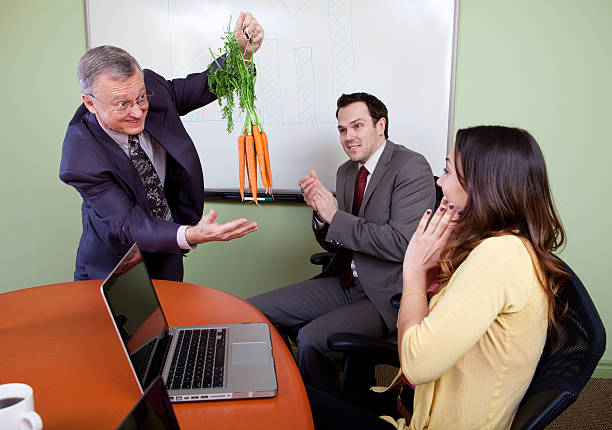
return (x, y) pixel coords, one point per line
(362, 354)
(566, 364)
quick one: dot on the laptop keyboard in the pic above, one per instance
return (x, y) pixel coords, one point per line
(199, 359)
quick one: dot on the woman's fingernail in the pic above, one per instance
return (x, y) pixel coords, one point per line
(451, 206)
(442, 208)
(428, 211)
(460, 212)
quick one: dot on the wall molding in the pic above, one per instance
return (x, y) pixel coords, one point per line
(603, 369)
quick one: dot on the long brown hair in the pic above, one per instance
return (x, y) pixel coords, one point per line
(502, 169)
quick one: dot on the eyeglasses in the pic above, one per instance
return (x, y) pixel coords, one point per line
(123, 107)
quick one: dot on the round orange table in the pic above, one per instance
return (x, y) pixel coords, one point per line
(60, 340)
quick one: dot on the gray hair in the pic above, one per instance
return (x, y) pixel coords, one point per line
(109, 60)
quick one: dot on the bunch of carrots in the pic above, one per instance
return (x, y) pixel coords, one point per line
(236, 76)
(253, 143)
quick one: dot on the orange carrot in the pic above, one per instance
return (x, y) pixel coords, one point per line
(241, 149)
(260, 154)
(247, 168)
(246, 161)
(264, 139)
(251, 165)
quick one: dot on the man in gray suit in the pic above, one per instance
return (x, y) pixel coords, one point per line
(369, 239)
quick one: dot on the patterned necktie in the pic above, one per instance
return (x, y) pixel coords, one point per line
(152, 185)
(346, 276)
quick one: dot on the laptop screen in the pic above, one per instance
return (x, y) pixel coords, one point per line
(153, 411)
(135, 308)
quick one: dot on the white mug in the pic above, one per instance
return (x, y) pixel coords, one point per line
(17, 408)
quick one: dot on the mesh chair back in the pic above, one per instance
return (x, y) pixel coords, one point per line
(568, 359)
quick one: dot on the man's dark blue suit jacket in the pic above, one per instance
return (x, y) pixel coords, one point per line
(115, 212)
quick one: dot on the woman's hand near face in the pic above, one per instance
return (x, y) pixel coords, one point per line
(421, 265)
(429, 239)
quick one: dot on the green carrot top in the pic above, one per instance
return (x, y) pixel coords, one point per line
(235, 77)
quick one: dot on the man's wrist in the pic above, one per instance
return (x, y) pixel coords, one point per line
(331, 215)
(185, 237)
(318, 219)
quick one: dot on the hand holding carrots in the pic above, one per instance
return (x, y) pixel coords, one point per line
(249, 34)
(318, 197)
(208, 230)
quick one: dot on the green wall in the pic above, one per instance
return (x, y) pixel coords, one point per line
(544, 65)
(541, 65)
(41, 42)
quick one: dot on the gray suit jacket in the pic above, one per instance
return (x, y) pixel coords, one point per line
(400, 189)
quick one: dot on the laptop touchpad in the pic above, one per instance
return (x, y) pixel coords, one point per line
(250, 353)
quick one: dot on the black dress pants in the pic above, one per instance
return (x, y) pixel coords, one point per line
(333, 413)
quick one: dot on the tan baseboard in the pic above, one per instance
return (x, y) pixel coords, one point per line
(603, 369)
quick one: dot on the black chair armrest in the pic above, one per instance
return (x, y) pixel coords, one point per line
(396, 300)
(369, 349)
(321, 258)
(537, 411)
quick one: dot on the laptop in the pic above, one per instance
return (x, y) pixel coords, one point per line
(205, 362)
(153, 411)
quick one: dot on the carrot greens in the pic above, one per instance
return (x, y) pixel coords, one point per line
(235, 76)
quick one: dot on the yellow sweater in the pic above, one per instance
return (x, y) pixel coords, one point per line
(473, 357)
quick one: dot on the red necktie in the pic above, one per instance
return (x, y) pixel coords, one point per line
(360, 185)
(346, 277)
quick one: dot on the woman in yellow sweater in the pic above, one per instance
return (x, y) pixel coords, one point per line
(472, 343)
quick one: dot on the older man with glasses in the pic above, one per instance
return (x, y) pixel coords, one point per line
(128, 155)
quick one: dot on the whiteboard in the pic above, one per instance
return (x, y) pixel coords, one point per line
(401, 51)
